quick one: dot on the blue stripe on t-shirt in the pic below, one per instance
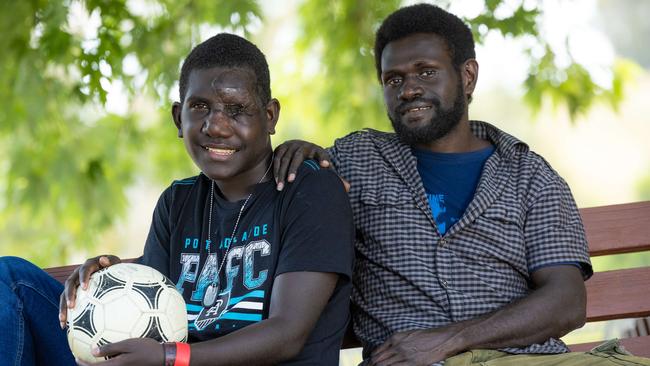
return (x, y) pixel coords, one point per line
(242, 316)
(312, 164)
(184, 182)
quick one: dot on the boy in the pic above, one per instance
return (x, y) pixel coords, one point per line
(265, 274)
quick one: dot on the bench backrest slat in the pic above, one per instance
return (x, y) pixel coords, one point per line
(618, 294)
(61, 273)
(617, 229)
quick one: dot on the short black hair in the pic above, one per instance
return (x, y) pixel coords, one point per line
(426, 18)
(227, 50)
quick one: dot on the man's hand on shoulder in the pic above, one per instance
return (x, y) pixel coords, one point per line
(290, 154)
(418, 347)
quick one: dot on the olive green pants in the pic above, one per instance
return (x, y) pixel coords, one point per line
(609, 353)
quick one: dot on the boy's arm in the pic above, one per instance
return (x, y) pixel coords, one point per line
(297, 300)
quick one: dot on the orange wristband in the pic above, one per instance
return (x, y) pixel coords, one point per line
(182, 354)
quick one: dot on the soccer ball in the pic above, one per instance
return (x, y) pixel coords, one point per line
(123, 301)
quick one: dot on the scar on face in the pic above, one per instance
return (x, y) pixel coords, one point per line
(247, 104)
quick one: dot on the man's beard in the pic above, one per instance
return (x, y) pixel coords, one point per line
(439, 126)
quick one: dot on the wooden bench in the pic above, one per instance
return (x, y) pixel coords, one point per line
(617, 294)
(623, 293)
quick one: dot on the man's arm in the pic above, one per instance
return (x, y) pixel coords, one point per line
(297, 300)
(555, 307)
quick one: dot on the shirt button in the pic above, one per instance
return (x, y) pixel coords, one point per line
(443, 283)
(442, 242)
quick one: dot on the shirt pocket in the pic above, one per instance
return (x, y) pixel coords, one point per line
(496, 240)
(389, 191)
(500, 214)
(494, 251)
(386, 215)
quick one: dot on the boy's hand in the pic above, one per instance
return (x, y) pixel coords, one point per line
(81, 275)
(290, 154)
(135, 351)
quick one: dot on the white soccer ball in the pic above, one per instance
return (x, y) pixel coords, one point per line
(123, 301)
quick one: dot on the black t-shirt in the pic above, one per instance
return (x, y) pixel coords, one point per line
(305, 227)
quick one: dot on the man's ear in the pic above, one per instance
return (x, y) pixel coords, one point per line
(272, 115)
(469, 73)
(176, 116)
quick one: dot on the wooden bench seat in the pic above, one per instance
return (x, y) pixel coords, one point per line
(617, 294)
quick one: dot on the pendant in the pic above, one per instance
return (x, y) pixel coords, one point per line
(210, 295)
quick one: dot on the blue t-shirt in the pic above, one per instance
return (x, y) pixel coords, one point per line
(450, 180)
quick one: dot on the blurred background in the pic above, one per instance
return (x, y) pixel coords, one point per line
(87, 143)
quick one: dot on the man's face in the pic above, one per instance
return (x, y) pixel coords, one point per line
(223, 123)
(423, 92)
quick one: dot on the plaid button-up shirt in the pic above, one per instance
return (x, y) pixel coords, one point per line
(407, 276)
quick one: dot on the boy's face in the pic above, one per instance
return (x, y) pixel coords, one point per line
(224, 124)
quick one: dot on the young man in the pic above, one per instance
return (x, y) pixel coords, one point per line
(466, 239)
(265, 274)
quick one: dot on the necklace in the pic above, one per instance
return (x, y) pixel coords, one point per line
(212, 291)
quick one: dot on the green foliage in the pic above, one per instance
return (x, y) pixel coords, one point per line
(522, 21)
(573, 85)
(342, 34)
(620, 261)
(67, 162)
